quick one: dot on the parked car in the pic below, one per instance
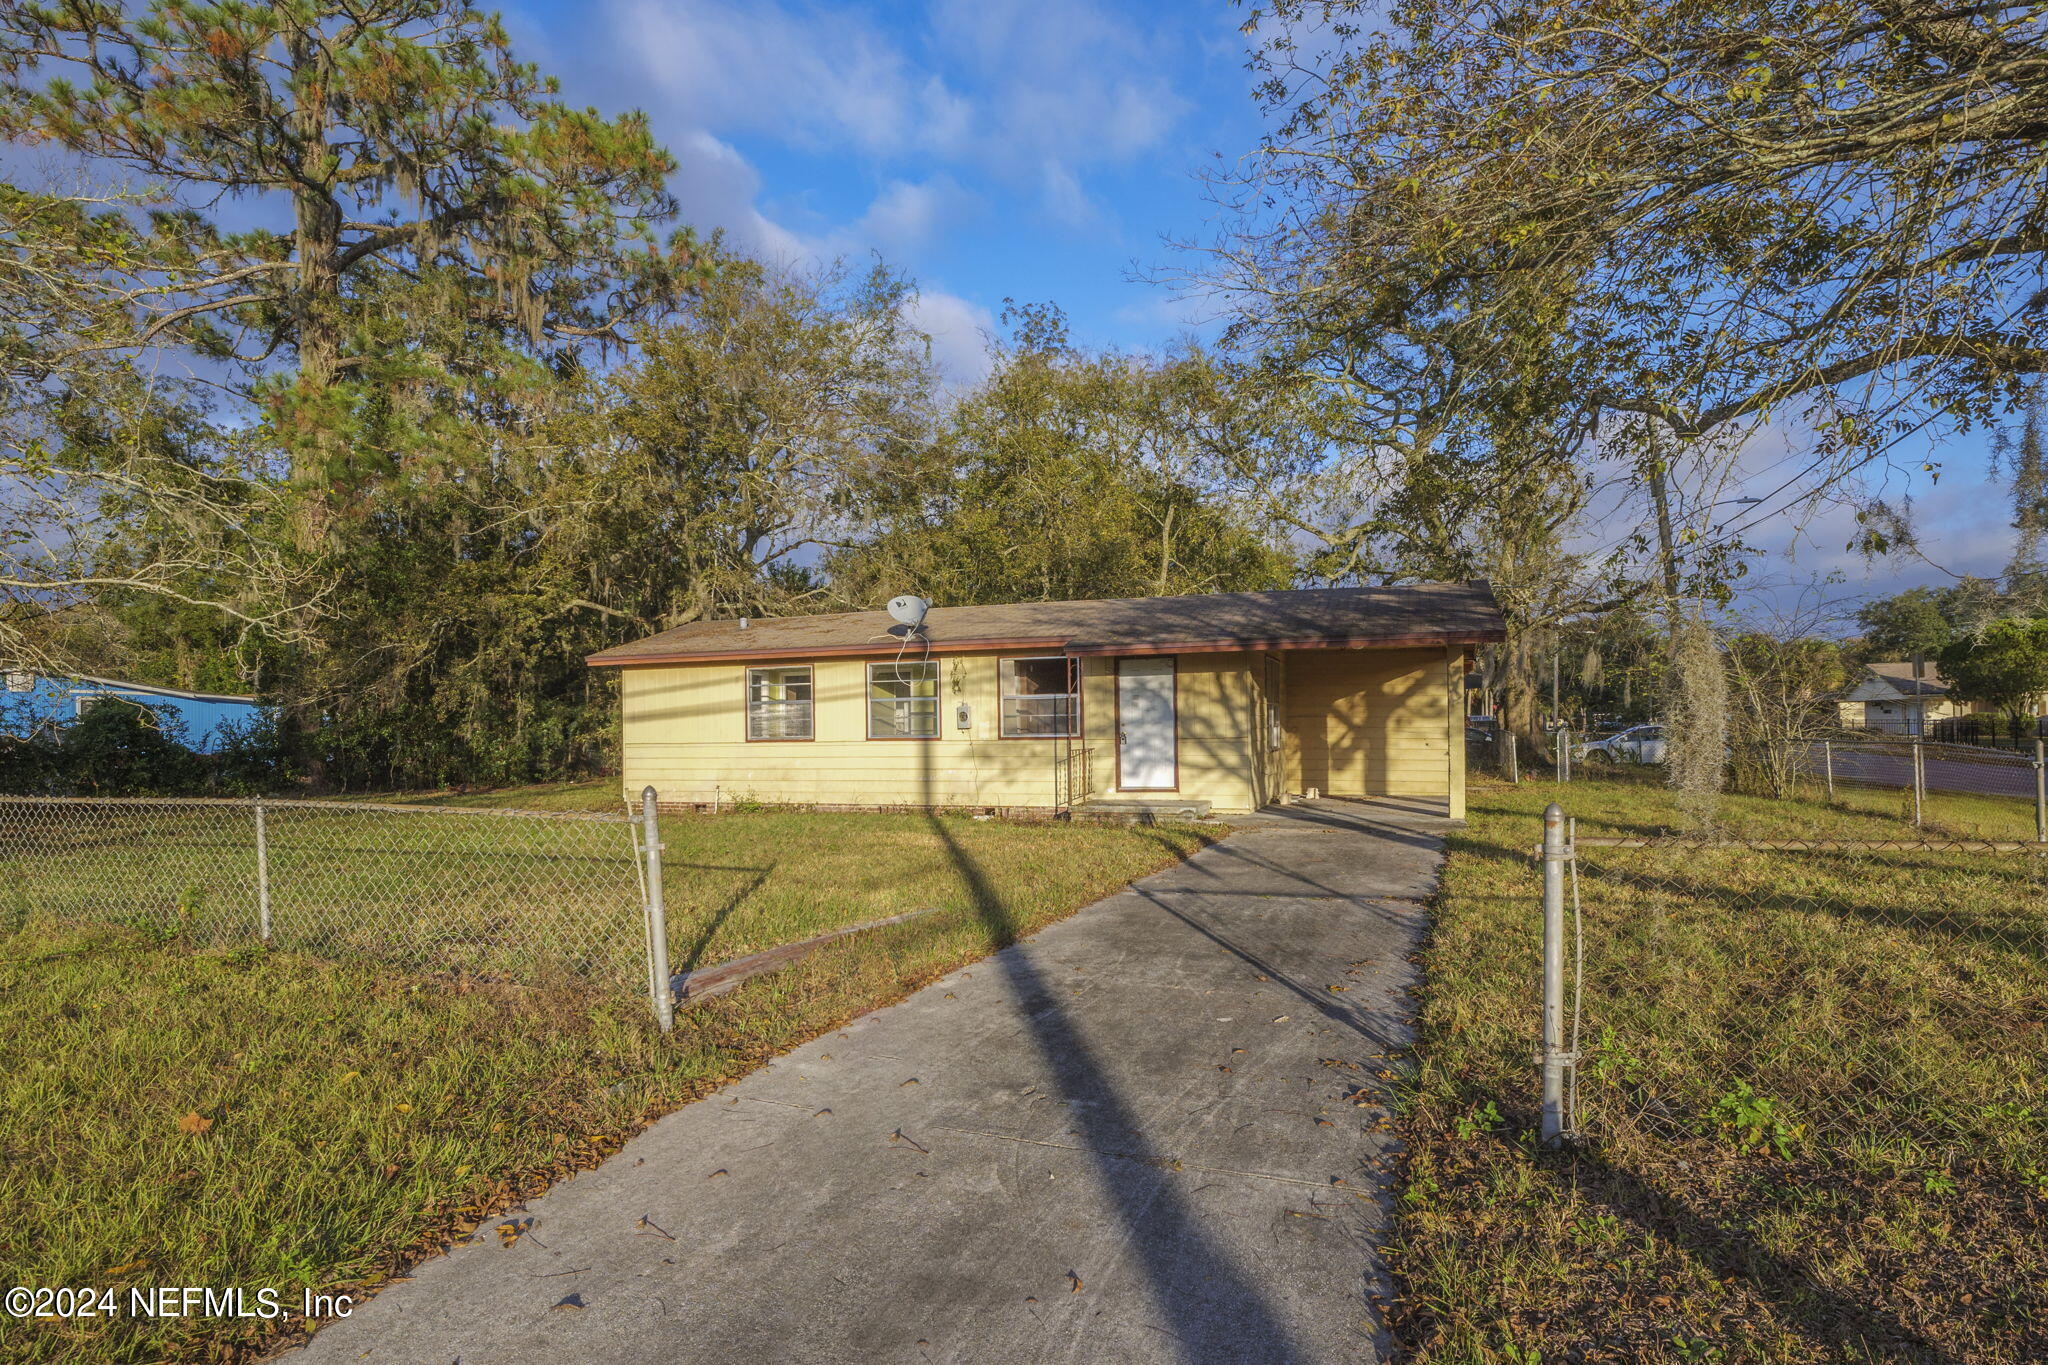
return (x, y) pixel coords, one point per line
(1637, 744)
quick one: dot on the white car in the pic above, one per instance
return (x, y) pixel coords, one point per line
(1637, 744)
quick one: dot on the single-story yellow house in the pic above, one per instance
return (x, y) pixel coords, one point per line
(1220, 701)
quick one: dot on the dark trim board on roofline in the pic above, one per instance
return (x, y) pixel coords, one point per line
(1059, 646)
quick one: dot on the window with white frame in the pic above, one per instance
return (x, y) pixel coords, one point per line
(779, 702)
(903, 700)
(20, 680)
(1041, 697)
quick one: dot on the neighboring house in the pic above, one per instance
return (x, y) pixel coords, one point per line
(1889, 697)
(37, 702)
(1223, 701)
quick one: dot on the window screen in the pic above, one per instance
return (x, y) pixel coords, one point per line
(903, 700)
(779, 703)
(1040, 697)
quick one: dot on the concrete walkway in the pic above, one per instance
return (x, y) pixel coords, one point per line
(1149, 1133)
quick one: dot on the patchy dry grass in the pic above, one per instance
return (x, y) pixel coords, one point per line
(1814, 1097)
(270, 1119)
(598, 794)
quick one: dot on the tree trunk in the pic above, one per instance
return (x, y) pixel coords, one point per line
(316, 241)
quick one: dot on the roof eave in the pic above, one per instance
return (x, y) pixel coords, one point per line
(606, 658)
(1420, 639)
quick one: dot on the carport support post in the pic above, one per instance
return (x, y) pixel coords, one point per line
(657, 916)
(2040, 794)
(262, 875)
(1554, 1061)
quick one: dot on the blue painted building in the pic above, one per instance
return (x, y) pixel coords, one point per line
(37, 702)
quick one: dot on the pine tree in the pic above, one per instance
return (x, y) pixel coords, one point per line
(391, 142)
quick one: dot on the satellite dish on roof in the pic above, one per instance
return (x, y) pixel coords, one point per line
(909, 610)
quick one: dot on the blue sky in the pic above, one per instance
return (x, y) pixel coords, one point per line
(1043, 150)
(992, 149)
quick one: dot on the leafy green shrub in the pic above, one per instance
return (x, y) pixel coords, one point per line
(29, 767)
(252, 758)
(120, 748)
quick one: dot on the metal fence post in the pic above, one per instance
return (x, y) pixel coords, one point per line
(2040, 794)
(1514, 769)
(1919, 782)
(658, 986)
(262, 874)
(1554, 1060)
(1827, 758)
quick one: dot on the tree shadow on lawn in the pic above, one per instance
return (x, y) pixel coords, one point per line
(694, 953)
(2016, 934)
(1848, 1327)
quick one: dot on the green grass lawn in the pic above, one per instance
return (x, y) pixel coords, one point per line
(478, 890)
(350, 1114)
(1814, 1095)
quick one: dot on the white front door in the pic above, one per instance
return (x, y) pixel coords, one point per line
(1147, 757)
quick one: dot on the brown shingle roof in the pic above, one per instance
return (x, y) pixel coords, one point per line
(1310, 618)
(1899, 673)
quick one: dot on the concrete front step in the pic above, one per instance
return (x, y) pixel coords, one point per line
(1143, 810)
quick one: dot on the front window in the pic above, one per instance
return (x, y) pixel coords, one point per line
(779, 703)
(1041, 697)
(903, 700)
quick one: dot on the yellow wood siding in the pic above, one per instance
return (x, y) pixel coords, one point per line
(1353, 722)
(685, 733)
(1372, 722)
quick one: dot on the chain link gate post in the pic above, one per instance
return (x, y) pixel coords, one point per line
(1827, 756)
(658, 986)
(1919, 783)
(262, 874)
(2040, 794)
(1555, 1059)
(1514, 769)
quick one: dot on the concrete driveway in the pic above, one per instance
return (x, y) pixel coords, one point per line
(1151, 1132)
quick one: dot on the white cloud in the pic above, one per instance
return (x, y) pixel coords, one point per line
(1059, 79)
(717, 188)
(908, 215)
(1065, 200)
(822, 78)
(959, 333)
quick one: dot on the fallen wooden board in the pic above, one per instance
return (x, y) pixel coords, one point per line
(709, 981)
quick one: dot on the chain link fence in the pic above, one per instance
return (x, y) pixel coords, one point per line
(1880, 1002)
(1921, 766)
(534, 897)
